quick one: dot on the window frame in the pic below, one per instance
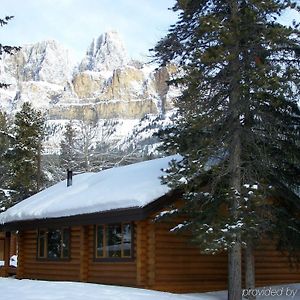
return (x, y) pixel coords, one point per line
(46, 250)
(106, 258)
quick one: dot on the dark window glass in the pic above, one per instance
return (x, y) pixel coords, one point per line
(126, 240)
(100, 242)
(114, 241)
(54, 244)
(66, 243)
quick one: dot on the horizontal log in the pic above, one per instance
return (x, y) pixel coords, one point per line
(196, 273)
(33, 257)
(109, 269)
(50, 266)
(117, 268)
(275, 265)
(181, 252)
(190, 268)
(188, 259)
(262, 282)
(190, 288)
(270, 254)
(50, 273)
(56, 264)
(274, 276)
(69, 277)
(165, 243)
(113, 276)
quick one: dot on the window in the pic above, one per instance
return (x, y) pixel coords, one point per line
(114, 241)
(54, 243)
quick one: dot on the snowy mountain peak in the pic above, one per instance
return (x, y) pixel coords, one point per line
(106, 53)
(43, 61)
(52, 61)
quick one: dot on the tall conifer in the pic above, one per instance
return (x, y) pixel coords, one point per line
(6, 48)
(237, 125)
(25, 155)
(68, 148)
(6, 139)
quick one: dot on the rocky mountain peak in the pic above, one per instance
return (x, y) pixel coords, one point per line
(43, 61)
(106, 53)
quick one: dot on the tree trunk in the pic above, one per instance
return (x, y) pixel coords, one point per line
(250, 269)
(235, 251)
(234, 272)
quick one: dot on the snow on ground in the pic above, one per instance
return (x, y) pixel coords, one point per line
(12, 289)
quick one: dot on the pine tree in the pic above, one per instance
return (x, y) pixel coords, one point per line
(237, 125)
(6, 139)
(25, 155)
(68, 148)
(5, 48)
(4, 142)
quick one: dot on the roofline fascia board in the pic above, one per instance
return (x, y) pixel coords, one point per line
(110, 216)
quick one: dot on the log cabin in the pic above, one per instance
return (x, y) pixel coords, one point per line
(101, 228)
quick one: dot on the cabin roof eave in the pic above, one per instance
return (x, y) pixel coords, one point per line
(109, 216)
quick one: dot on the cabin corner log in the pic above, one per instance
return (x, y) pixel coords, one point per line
(139, 255)
(2, 238)
(84, 253)
(151, 253)
(142, 253)
(6, 254)
(20, 242)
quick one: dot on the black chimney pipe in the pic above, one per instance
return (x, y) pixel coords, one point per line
(69, 177)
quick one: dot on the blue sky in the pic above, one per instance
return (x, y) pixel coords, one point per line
(74, 23)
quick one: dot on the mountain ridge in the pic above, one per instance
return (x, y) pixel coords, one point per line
(105, 84)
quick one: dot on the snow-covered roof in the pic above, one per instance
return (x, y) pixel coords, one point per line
(124, 187)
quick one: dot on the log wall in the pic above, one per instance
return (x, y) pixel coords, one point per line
(120, 273)
(81, 267)
(31, 267)
(173, 264)
(162, 261)
(273, 267)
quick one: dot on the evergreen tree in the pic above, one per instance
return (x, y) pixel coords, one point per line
(237, 127)
(4, 143)
(6, 139)
(5, 48)
(25, 156)
(68, 151)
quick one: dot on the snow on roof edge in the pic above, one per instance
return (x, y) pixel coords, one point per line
(118, 188)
